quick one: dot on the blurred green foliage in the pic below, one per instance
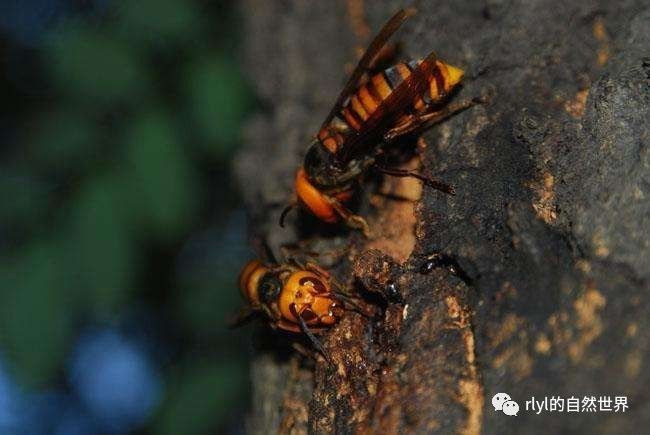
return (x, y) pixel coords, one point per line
(202, 306)
(164, 24)
(99, 245)
(107, 180)
(64, 140)
(159, 176)
(34, 316)
(214, 103)
(29, 198)
(93, 64)
(201, 393)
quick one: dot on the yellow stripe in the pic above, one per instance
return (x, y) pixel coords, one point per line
(349, 117)
(357, 107)
(367, 100)
(382, 87)
(433, 89)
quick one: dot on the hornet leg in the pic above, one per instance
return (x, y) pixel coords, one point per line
(429, 181)
(351, 220)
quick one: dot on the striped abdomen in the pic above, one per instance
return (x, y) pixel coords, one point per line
(249, 280)
(368, 97)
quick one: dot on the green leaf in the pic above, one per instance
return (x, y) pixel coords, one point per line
(35, 312)
(207, 293)
(160, 22)
(99, 249)
(218, 99)
(201, 398)
(160, 177)
(95, 66)
(29, 198)
(206, 309)
(62, 140)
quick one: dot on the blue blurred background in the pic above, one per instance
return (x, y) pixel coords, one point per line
(121, 232)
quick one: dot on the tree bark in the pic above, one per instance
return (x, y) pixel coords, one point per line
(548, 229)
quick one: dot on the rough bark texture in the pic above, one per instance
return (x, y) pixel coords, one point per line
(549, 226)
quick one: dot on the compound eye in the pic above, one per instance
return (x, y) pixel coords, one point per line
(314, 162)
(270, 287)
(313, 158)
(318, 166)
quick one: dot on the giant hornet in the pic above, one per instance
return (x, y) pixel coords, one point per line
(294, 297)
(371, 113)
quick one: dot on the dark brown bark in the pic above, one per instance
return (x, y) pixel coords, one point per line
(549, 226)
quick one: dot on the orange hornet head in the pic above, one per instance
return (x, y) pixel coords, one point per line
(319, 203)
(309, 296)
(316, 179)
(313, 199)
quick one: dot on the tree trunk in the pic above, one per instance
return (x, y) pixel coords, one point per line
(548, 230)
